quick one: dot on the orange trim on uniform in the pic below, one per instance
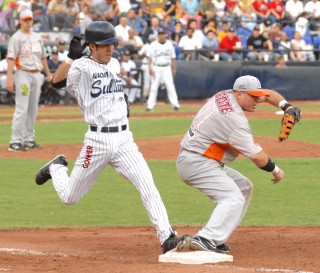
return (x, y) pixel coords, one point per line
(216, 151)
(17, 63)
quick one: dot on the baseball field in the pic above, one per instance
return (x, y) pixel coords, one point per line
(109, 230)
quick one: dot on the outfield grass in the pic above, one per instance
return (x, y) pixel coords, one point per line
(114, 202)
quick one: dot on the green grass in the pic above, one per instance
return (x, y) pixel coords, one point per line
(114, 202)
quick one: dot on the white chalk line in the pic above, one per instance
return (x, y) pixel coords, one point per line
(259, 269)
(34, 252)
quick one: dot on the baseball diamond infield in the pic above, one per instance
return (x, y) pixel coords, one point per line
(126, 250)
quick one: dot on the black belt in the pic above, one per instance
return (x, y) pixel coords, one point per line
(113, 129)
(162, 65)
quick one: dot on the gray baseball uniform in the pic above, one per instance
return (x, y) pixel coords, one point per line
(218, 133)
(99, 91)
(27, 50)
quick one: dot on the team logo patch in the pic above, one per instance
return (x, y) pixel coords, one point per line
(88, 157)
(223, 103)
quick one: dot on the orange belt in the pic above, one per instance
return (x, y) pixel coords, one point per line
(31, 71)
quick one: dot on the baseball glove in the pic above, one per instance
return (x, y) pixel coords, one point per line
(291, 116)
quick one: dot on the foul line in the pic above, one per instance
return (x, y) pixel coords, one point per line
(32, 252)
(260, 269)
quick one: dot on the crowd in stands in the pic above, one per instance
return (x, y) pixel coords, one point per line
(255, 30)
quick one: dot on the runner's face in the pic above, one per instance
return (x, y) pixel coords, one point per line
(102, 53)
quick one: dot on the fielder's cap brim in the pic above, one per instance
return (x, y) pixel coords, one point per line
(258, 93)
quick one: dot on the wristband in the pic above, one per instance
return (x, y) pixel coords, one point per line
(68, 60)
(269, 167)
(276, 169)
(282, 103)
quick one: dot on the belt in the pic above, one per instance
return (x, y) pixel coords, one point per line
(30, 71)
(114, 129)
(162, 65)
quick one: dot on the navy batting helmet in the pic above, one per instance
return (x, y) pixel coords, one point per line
(100, 33)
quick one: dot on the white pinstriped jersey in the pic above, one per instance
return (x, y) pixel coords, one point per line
(99, 91)
(161, 54)
(221, 130)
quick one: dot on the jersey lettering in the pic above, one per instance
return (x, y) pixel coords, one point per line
(100, 75)
(223, 103)
(115, 85)
(87, 159)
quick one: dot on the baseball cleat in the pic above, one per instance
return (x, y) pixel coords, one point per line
(31, 145)
(181, 243)
(17, 147)
(224, 248)
(202, 244)
(44, 175)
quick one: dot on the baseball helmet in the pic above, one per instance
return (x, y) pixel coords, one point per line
(100, 33)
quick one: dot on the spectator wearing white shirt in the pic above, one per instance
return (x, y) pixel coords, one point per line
(302, 51)
(187, 46)
(198, 35)
(302, 24)
(312, 7)
(122, 29)
(293, 9)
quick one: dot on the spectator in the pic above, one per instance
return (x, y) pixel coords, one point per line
(190, 11)
(220, 10)
(223, 31)
(211, 25)
(257, 46)
(197, 33)
(293, 9)
(136, 6)
(39, 16)
(179, 11)
(244, 4)
(277, 11)
(3, 73)
(62, 51)
(118, 51)
(122, 28)
(57, 13)
(207, 11)
(302, 51)
(169, 8)
(134, 41)
(84, 18)
(153, 29)
(249, 19)
(262, 10)
(128, 73)
(24, 4)
(231, 47)
(138, 24)
(106, 10)
(147, 12)
(275, 34)
(124, 6)
(211, 46)
(7, 22)
(73, 10)
(266, 25)
(302, 24)
(232, 10)
(188, 46)
(312, 7)
(168, 25)
(281, 63)
(179, 31)
(285, 47)
(54, 62)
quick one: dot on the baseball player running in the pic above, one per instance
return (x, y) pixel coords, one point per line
(162, 67)
(218, 134)
(96, 84)
(25, 51)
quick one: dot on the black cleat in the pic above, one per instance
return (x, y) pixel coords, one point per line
(199, 243)
(17, 147)
(44, 175)
(180, 243)
(31, 145)
(224, 248)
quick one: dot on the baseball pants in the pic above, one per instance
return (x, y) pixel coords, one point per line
(226, 187)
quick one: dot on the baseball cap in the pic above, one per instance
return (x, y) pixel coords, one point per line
(26, 14)
(251, 85)
(126, 52)
(62, 42)
(256, 28)
(232, 29)
(161, 31)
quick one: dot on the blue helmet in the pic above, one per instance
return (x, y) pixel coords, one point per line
(100, 33)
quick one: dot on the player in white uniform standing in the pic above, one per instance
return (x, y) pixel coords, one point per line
(25, 51)
(218, 133)
(96, 84)
(162, 68)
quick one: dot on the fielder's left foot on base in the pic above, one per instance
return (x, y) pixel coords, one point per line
(181, 243)
(44, 175)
